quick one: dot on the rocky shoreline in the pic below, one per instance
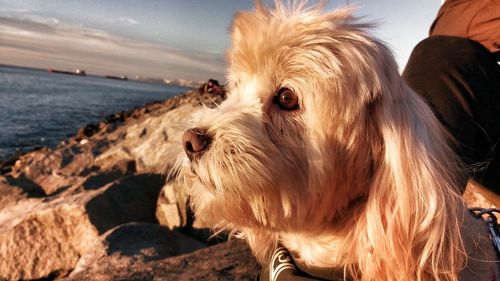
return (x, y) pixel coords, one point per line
(98, 207)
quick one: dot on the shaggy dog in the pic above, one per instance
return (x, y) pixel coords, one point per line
(322, 148)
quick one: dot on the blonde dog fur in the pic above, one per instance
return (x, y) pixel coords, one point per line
(359, 176)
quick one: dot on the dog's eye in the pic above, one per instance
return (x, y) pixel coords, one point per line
(286, 99)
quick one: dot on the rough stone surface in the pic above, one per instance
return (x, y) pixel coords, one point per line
(167, 211)
(147, 241)
(90, 205)
(174, 212)
(226, 261)
(47, 236)
(39, 240)
(97, 207)
(476, 195)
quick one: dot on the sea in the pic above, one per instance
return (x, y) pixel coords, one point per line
(38, 108)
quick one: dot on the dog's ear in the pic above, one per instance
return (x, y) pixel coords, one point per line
(414, 210)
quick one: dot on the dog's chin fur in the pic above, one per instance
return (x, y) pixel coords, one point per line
(360, 175)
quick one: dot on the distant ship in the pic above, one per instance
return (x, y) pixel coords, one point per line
(117, 77)
(79, 72)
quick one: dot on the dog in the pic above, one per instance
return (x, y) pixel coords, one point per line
(322, 149)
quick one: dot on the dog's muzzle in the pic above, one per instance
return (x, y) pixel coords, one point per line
(195, 142)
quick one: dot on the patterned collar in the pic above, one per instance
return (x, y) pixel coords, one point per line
(283, 266)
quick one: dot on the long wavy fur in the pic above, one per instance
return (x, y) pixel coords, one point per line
(361, 176)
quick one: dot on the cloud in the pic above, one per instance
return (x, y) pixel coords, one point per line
(48, 43)
(128, 20)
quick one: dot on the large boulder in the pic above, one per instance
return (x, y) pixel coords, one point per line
(92, 204)
(98, 208)
(132, 243)
(151, 143)
(42, 237)
(39, 241)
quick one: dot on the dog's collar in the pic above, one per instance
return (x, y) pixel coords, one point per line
(491, 220)
(283, 266)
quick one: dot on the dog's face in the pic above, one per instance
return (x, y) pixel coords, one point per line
(293, 144)
(321, 136)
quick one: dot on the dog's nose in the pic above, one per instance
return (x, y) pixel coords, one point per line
(195, 142)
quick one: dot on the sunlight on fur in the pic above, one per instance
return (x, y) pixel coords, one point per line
(323, 148)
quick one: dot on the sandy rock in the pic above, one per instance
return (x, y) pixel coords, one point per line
(129, 199)
(92, 204)
(153, 143)
(147, 241)
(476, 195)
(174, 212)
(9, 194)
(136, 242)
(168, 213)
(58, 169)
(87, 131)
(42, 241)
(13, 190)
(96, 178)
(226, 261)
(47, 238)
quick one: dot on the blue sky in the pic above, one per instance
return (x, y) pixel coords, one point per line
(165, 39)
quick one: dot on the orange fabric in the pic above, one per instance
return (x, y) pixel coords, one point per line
(478, 20)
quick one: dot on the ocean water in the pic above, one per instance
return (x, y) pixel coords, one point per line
(38, 108)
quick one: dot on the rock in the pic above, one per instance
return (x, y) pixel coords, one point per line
(100, 177)
(10, 193)
(136, 242)
(147, 242)
(174, 212)
(116, 117)
(39, 241)
(154, 152)
(56, 170)
(87, 131)
(169, 209)
(476, 195)
(92, 204)
(49, 237)
(19, 187)
(97, 207)
(129, 199)
(226, 261)
(6, 166)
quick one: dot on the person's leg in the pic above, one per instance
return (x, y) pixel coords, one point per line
(460, 80)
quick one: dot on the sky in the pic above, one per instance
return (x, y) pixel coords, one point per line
(170, 39)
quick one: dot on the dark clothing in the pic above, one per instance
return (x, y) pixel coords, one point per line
(478, 20)
(456, 71)
(460, 79)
